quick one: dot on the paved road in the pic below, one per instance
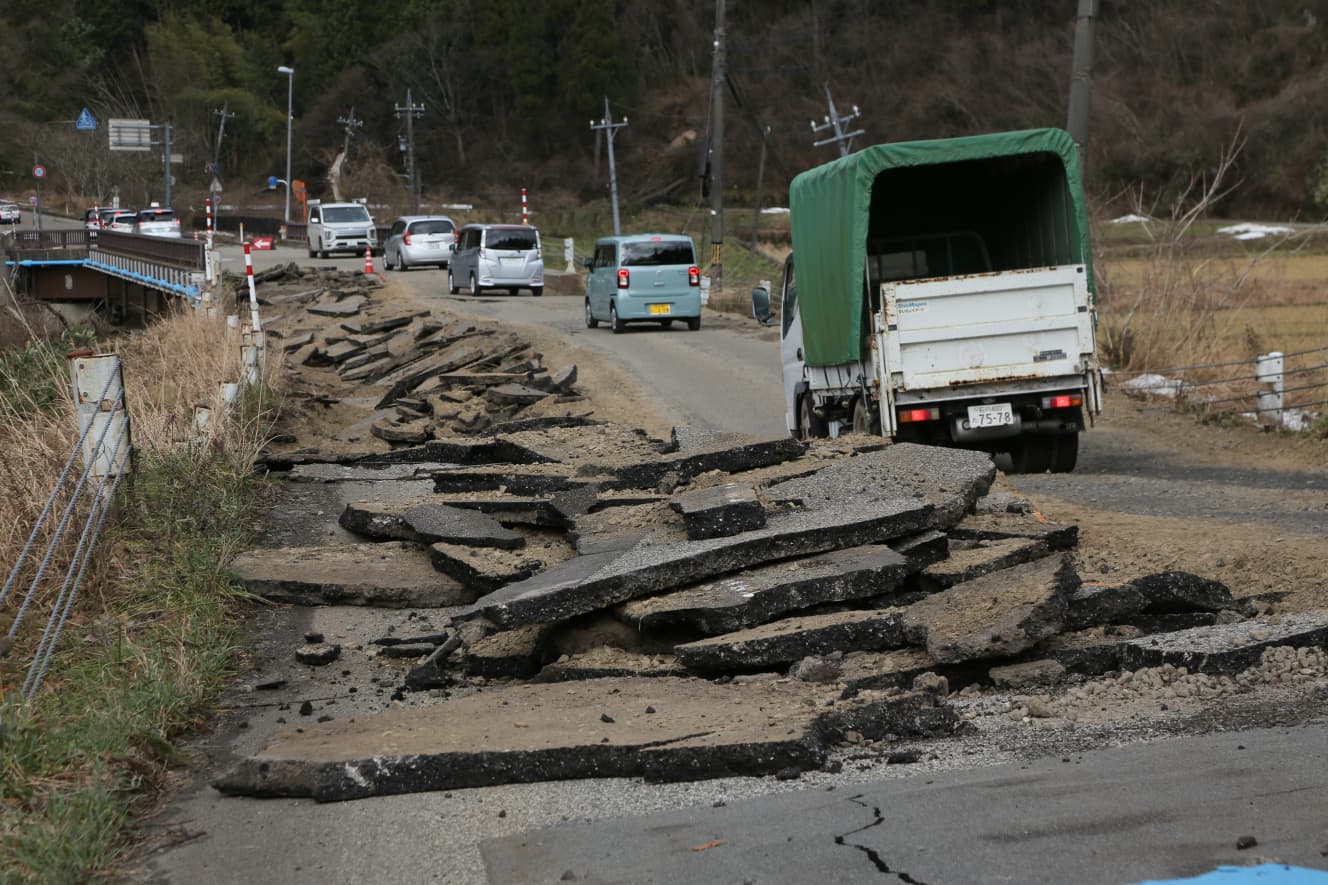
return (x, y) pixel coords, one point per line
(1156, 810)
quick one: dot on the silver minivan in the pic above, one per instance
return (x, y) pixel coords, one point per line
(496, 256)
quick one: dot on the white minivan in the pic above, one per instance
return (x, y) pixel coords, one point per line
(496, 256)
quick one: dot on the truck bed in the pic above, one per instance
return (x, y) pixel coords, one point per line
(1005, 326)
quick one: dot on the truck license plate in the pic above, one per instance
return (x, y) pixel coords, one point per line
(994, 415)
(660, 309)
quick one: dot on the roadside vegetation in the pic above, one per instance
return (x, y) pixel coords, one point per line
(153, 634)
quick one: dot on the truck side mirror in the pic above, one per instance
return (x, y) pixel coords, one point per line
(761, 306)
(589, 263)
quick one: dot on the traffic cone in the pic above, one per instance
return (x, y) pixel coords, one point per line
(368, 260)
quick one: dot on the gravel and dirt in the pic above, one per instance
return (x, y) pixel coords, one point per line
(1155, 490)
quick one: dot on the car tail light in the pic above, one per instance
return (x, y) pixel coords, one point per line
(913, 416)
(405, 238)
(624, 278)
(1063, 401)
(693, 276)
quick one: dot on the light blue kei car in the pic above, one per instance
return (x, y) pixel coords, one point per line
(637, 278)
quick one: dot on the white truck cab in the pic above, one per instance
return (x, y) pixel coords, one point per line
(340, 227)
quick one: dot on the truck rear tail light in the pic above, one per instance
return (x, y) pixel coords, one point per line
(1063, 401)
(693, 276)
(912, 416)
(624, 278)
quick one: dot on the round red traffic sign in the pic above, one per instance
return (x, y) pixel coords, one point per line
(38, 171)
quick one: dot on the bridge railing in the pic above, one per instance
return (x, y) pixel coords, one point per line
(47, 239)
(185, 254)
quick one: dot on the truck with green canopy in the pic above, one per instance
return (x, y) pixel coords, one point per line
(942, 292)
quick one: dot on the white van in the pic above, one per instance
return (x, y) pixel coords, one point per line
(340, 227)
(496, 256)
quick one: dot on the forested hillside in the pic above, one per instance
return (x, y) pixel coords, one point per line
(509, 88)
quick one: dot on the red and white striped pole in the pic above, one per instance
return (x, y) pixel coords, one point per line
(525, 208)
(253, 293)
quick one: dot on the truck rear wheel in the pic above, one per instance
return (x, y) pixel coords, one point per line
(1033, 454)
(809, 426)
(1066, 453)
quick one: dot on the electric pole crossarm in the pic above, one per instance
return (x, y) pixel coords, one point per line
(835, 120)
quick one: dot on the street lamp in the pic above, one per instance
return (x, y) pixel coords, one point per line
(290, 94)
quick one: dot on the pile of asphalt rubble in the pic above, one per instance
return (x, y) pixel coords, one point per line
(586, 601)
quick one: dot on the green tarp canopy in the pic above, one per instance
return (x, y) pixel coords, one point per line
(1020, 193)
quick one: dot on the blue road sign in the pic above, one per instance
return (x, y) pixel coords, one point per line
(272, 181)
(85, 121)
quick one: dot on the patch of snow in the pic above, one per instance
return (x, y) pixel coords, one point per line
(1131, 219)
(1155, 385)
(775, 210)
(1293, 420)
(1251, 231)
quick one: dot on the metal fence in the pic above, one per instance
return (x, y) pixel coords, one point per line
(1259, 387)
(84, 498)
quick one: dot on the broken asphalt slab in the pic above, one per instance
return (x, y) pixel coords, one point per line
(951, 480)
(764, 593)
(1225, 648)
(658, 729)
(996, 615)
(720, 511)
(384, 575)
(651, 568)
(792, 639)
(686, 465)
(428, 523)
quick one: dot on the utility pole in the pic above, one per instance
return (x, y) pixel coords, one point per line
(834, 120)
(1081, 79)
(760, 180)
(166, 155)
(611, 129)
(351, 125)
(718, 83)
(214, 187)
(411, 112)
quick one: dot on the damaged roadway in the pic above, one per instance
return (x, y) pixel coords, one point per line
(924, 582)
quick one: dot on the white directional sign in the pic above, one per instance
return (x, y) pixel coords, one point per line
(85, 122)
(129, 135)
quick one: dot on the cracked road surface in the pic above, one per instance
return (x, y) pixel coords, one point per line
(1109, 816)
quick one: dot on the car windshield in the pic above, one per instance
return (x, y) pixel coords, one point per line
(344, 214)
(515, 240)
(432, 226)
(657, 252)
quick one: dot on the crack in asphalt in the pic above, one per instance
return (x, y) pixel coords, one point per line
(871, 853)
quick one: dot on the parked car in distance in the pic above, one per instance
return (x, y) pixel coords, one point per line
(155, 221)
(10, 213)
(340, 227)
(121, 220)
(92, 219)
(497, 256)
(643, 277)
(414, 240)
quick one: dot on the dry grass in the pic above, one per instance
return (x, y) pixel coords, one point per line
(150, 636)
